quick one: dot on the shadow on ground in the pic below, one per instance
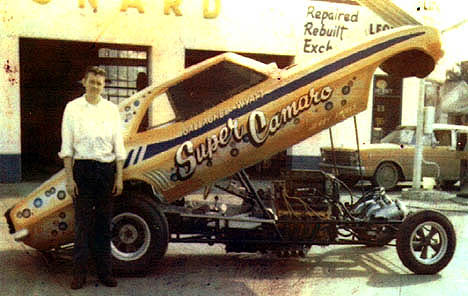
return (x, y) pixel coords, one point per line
(229, 274)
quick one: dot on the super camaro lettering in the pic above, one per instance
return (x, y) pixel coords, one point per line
(258, 128)
(187, 158)
(185, 165)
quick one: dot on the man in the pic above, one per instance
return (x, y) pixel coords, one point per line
(93, 154)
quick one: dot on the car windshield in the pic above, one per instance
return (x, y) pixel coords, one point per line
(210, 87)
(407, 136)
(402, 136)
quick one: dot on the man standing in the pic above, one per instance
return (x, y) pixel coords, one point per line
(93, 154)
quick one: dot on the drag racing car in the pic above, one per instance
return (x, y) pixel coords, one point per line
(228, 113)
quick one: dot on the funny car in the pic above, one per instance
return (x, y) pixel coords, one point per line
(228, 113)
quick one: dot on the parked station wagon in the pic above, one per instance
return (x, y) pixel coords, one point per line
(390, 161)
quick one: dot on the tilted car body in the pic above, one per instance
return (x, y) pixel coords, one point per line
(228, 113)
(392, 160)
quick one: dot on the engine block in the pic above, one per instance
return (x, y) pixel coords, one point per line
(297, 214)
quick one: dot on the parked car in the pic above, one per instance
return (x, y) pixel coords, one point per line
(390, 161)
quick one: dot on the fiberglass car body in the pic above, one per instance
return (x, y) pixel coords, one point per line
(228, 113)
(390, 161)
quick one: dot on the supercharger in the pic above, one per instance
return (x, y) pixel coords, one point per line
(380, 206)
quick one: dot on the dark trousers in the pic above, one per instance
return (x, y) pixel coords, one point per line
(93, 214)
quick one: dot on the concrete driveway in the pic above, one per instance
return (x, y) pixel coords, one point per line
(195, 269)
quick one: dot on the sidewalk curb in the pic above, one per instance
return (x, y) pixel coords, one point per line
(434, 199)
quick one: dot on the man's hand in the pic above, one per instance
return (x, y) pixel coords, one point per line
(118, 183)
(71, 187)
(118, 187)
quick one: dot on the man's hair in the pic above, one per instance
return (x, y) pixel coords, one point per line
(95, 70)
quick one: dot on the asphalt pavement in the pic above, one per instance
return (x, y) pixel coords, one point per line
(196, 269)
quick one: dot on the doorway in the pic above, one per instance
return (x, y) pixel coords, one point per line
(386, 110)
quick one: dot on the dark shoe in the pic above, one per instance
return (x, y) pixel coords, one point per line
(108, 281)
(78, 282)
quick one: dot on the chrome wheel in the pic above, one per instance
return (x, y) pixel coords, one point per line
(429, 242)
(426, 242)
(131, 237)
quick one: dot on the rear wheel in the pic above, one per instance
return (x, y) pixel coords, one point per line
(386, 176)
(140, 235)
(426, 242)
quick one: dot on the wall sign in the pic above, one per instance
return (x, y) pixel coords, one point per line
(324, 25)
(211, 8)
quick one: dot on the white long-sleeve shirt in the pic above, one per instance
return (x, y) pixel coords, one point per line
(92, 131)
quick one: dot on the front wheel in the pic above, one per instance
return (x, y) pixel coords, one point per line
(426, 242)
(387, 176)
(140, 235)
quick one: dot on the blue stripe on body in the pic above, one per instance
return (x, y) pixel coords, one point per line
(129, 157)
(137, 155)
(158, 147)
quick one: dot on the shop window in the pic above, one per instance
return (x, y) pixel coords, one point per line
(124, 69)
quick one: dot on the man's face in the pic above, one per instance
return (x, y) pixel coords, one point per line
(94, 84)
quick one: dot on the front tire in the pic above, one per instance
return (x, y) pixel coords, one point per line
(426, 242)
(140, 235)
(386, 176)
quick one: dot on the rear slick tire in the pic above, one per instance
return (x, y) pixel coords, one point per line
(140, 235)
(426, 242)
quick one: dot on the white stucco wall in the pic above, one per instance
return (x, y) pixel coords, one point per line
(261, 26)
(245, 26)
(10, 120)
(351, 23)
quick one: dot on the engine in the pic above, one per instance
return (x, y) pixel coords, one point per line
(298, 210)
(379, 206)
